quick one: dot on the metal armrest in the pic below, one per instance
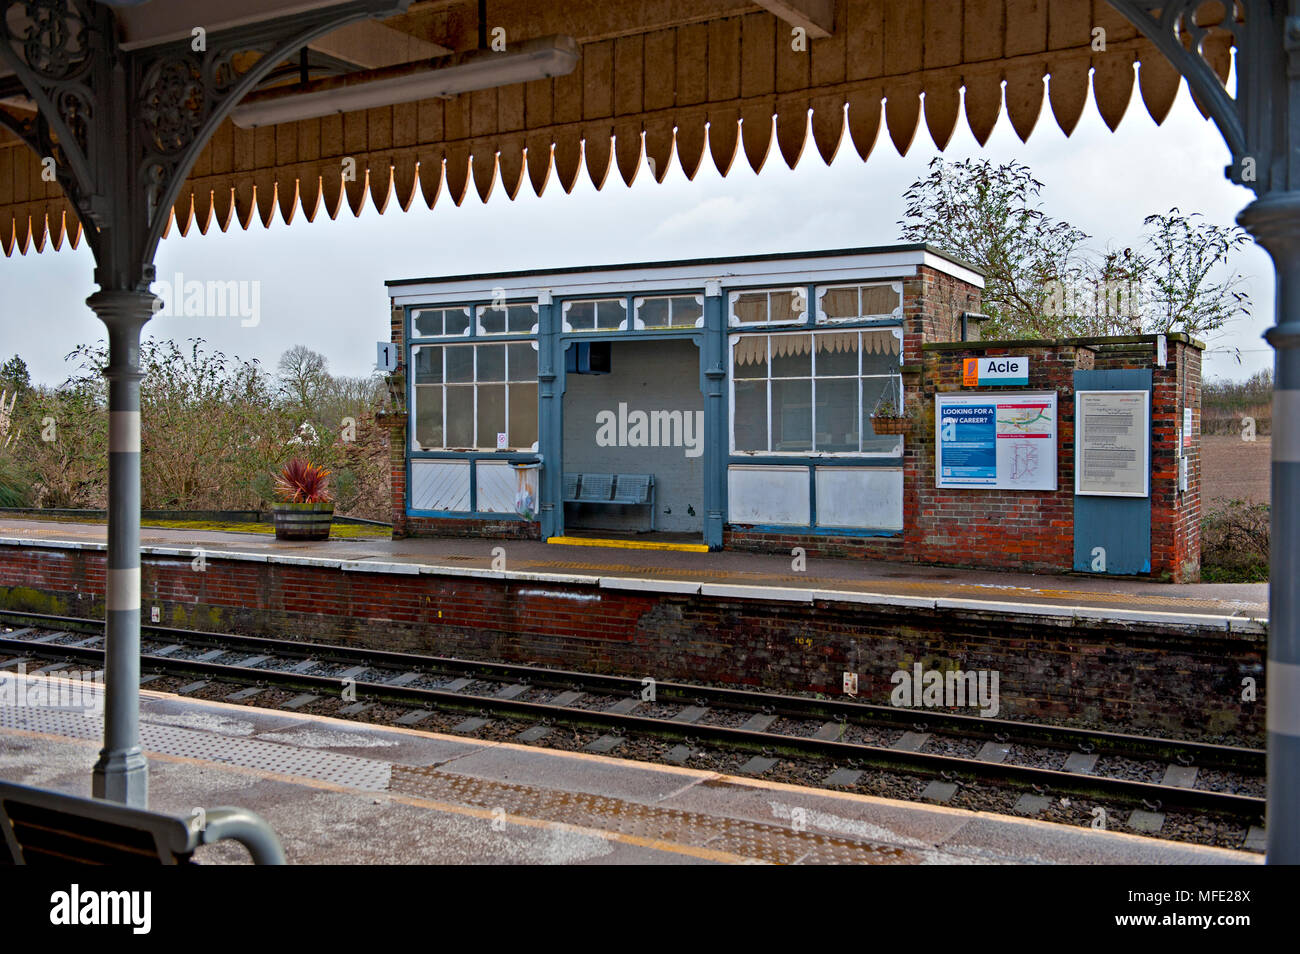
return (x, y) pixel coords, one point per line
(248, 828)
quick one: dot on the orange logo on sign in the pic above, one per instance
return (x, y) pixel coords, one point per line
(970, 372)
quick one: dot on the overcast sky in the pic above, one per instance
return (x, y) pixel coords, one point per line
(321, 283)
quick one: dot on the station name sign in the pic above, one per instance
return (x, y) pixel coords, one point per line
(1004, 369)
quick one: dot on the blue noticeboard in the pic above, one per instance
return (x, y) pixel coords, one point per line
(969, 436)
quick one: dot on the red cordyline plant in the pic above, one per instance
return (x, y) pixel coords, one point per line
(301, 481)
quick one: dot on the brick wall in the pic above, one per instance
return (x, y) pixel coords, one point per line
(1124, 675)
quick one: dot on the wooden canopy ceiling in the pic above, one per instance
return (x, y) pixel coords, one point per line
(658, 77)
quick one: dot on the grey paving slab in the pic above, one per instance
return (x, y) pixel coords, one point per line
(356, 708)
(843, 778)
(1256, 839)
(243, 694)
(1180, 776)
(167, 650)
(415, 717)
(404, 679)
(939, 792)
(635, 781)
(604, 744)
(303, 666)
(1031, 804)
(534, 733)
(49, 637)
(511, 692)
(567, 698)
(351, 673)
(690, 714)
(911, 741)
(300, 700)
(210, 655)
(1081, 763)
(472, 724)
(993, 752)
(756, 765)
(1144, 821)
(87, 642)
(624, 706)
(193, 687)
(456, 685)
(758, 722)
(248, 661)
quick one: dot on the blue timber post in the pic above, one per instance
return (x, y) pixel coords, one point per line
(713, 380)
(550, 415)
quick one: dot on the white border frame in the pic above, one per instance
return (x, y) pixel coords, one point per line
(1146, 445)
(994, 397)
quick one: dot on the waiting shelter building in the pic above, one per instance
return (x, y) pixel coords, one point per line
(839, 401)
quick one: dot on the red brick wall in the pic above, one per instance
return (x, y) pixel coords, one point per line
(1126, 675)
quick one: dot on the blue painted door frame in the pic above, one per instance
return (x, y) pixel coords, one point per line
(1121, 526)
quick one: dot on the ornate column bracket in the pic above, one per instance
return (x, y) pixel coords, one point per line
(125, 127)
(1255, 122)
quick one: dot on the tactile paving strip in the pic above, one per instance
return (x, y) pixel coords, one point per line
(760, 842)
(347, 770)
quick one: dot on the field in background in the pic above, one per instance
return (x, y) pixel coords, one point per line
(1233, 469)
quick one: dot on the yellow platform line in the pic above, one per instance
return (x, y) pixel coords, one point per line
(628, 544)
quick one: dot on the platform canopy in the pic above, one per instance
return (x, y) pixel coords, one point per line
(667, 80)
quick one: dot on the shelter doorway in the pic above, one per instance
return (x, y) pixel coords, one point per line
(634, 409)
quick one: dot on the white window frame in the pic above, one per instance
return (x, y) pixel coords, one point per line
(473, 384)
(639, 325)
(478, 323)
(569, 303)
(734, 339)
(821, 291)
(733, 320)
(469, 325)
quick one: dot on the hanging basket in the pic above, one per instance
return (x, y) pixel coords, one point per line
(891, 425)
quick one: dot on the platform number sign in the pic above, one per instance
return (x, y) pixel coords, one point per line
(387, 356)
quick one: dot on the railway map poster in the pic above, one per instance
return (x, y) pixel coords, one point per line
(995, 440)
(1112, 450)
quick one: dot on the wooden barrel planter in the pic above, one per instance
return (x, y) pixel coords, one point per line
(302, 521)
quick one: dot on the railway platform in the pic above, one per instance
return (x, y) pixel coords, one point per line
(341, 792)
(1240, 607)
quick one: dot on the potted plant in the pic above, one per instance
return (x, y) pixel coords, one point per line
(306, 509)
(888, 417)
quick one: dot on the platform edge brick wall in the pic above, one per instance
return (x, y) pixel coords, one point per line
(1127, 675)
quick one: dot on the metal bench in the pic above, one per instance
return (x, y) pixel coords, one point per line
(612, 489)
(39, 827)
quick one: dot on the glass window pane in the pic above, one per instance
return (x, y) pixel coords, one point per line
(750, 356)
(460, 363)
(653, 312)
(428, 416)
(791, 415)
(837, 354)
(750, 415)
(456, 321)
(879, 300)
(523, 362)
(491, 320)
(581, 315)
(428, 365)
(840, 302)
(878, 354)
(686, 311)
(783, 306)
(491, 362)
(491, 414)
(873, 390)
(460, 416)
(750, 307)
(610, 314)
(522, 319)
(428, 322)
(837, 415)
(523, 415)
(791, 356)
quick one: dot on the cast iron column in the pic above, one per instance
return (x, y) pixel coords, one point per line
(121, 773)
(1274, 221)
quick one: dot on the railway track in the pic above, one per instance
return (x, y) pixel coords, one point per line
(865, 737)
